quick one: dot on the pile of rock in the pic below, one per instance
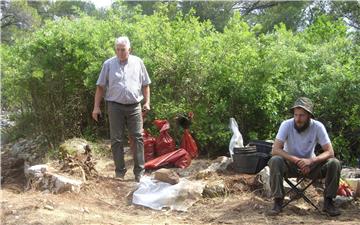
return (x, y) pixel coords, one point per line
(23, 165)
(5, 121)
(32, 151)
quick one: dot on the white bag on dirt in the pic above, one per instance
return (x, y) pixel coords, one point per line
(157, 195)
(236, 139)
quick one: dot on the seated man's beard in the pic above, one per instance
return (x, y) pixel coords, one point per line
(301, 129)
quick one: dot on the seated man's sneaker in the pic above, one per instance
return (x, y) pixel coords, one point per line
(329, 207)
(277, 208)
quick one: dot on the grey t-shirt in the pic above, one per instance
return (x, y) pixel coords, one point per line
(302, 144)
(123, 82)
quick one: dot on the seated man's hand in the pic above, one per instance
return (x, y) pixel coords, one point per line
(305, 170)
(304, 165)
(304, 162)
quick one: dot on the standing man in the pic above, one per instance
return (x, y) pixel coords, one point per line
(293, 154)
(125, 82)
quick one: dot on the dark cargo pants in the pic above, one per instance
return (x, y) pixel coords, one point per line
(121, 116)
(279, 167)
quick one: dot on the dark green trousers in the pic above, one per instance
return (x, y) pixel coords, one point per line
(280, 168)
(120, 117)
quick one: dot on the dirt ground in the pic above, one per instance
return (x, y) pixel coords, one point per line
(104, 200)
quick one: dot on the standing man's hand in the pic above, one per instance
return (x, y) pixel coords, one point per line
(146, 107)
(96, 113)
(98, 96)
(146, 93)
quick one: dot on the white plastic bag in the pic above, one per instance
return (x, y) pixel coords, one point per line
(157, 195)
(236, 139)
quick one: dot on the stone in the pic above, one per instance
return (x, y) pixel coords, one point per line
(63, 184)
(30, 150)
(220, 164)
(343, 201)
(38, 177)
(350, 173)
(354, 184)
(37, 169)
(73, 147)
(214, 189)
(352, 177)
(167, 176)
(48, 207)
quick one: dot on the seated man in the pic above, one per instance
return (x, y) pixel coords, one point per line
(293, 154)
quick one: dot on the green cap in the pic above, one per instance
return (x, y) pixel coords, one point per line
(304, 103)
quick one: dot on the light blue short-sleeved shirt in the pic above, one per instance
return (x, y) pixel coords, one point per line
(123, 82)
(302, 144)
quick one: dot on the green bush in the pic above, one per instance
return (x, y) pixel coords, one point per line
(236, 73)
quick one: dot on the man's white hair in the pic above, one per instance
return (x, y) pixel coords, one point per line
(122, 40)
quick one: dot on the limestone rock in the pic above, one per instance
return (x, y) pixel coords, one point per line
(167, 176)
(73, 147)
(218, 165)
(40, 178)
(350, 173)
(30, 150)
(215, 188)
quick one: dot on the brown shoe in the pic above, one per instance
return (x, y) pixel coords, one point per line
(329, 208)
(277, 208)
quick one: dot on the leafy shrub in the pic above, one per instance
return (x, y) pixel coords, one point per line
(236, 73)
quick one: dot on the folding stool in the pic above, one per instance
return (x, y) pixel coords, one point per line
(300, 192)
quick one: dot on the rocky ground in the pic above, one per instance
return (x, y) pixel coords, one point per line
(240, 199)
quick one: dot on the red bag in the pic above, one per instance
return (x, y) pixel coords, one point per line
(149, 146)
(166, 159)
(188, 143)
(161, 123)
(164, 143)
(184, 161)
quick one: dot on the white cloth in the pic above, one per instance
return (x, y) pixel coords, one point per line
(302, 144)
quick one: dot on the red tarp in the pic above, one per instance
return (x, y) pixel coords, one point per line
(170, 158)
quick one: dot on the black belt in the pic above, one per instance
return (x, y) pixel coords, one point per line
(133, 104)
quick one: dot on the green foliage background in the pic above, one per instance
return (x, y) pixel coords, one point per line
(50, 75)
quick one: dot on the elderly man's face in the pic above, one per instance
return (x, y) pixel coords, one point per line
(302, 119)
(122, 52)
